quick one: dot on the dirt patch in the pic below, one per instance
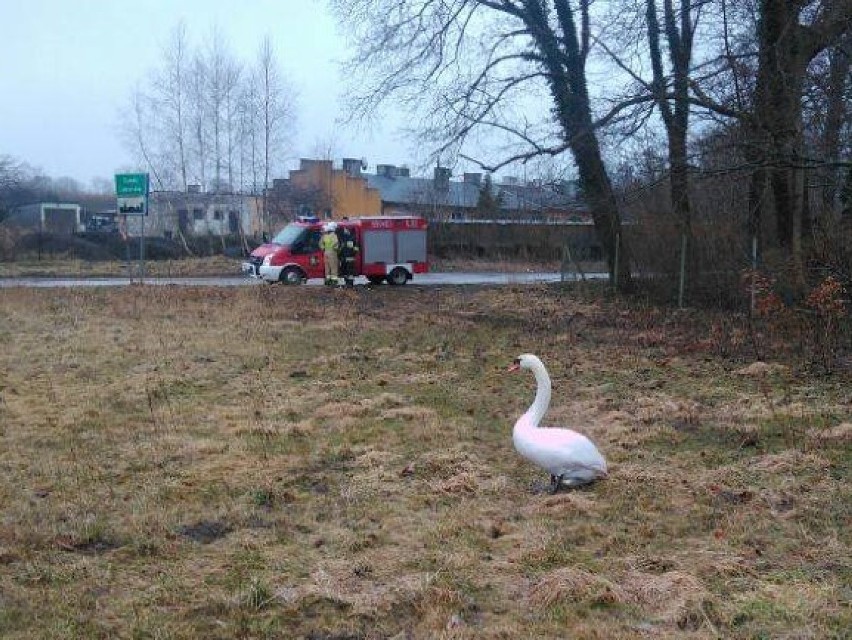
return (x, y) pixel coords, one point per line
(205, 531)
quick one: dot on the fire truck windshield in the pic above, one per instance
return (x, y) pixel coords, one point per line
(289, 235)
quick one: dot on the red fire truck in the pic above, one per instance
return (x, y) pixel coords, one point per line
(390, 249)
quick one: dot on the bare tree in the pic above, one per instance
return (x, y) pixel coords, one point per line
(231, 117)
(668, 45)
(198, 116)
(203, 120)
(222, 78)
(13, 175)
(249, 143)
(474, 65)
(275, 111)
(679, 31)
(141, 136)
(170, 85)
(787, 43)
(833, 115)
(781, 43)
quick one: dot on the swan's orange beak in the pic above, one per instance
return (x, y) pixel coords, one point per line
(514, 366)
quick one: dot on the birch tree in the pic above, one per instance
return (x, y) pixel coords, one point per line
(274, 111)
(222, 79)
(170, 86)
(198, 120)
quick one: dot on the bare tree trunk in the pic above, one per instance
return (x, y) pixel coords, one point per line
(838, 80)
(199, 120)
(786, 48)
(565, 62)
(178, 66)
(675, 111)
(274, 113)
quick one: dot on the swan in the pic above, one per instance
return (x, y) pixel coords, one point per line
(570, 457)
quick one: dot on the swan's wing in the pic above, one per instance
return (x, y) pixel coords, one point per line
(563, 452)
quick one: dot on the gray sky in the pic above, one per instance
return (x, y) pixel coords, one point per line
(68, 67)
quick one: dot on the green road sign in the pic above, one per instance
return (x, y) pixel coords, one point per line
(131, 192)
(131, 184)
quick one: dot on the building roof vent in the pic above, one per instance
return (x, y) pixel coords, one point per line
(352, 166)
(442, 178)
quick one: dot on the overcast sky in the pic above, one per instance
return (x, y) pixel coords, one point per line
(68, 68)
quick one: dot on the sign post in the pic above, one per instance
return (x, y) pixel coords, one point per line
(131, 192)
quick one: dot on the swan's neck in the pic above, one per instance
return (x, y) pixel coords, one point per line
(538, 408)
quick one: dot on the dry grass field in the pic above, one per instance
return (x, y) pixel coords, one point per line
(274, 462)
(71, 268)
(31, 267)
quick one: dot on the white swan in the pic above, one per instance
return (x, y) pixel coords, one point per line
(570, 457)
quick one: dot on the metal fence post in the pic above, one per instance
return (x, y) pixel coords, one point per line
(682, 283)
(617, 251)
(753, 271)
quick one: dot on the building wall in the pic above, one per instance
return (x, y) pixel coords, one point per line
(195, 214)
(429, 211)
(346, 195)
(62, 218)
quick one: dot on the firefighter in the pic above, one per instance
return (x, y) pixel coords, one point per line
(348, 253)
(329, 246)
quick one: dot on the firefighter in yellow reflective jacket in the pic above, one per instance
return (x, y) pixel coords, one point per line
(329, 245)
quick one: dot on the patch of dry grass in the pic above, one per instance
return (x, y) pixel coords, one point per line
(304, 462)
(75, 268)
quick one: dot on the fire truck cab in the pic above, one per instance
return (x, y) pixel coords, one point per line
(390, 248)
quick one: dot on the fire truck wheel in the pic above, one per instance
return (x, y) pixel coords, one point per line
(397, 277)
(292, 275)
(375, 280)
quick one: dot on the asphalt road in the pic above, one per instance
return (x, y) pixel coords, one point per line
(428, 279)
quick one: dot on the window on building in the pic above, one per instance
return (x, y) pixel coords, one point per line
(217, 215)
(198, 214)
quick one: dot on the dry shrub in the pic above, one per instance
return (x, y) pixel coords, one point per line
(813, 327)
(10, 238)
